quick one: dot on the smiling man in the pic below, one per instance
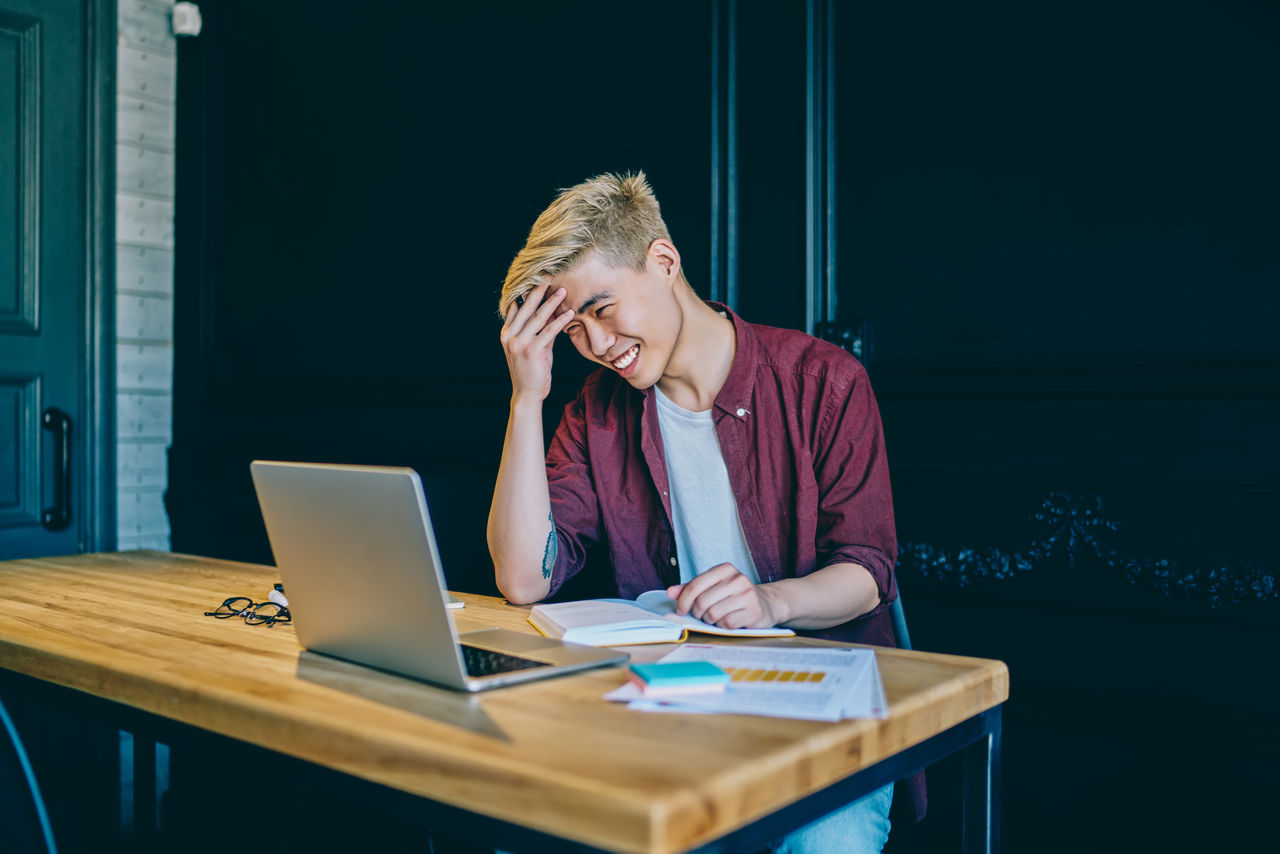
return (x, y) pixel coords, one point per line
(739, 466)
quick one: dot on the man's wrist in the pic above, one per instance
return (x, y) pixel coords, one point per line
(526, 402)
(775, 602)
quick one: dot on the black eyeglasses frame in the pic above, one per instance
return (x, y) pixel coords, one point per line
(254, 613)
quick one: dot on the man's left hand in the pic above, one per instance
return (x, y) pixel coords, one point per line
(725, 597)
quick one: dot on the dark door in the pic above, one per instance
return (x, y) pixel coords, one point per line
(45, 263)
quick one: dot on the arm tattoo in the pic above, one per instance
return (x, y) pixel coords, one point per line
(549, 552)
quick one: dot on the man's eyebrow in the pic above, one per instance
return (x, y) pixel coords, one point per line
(593, 299)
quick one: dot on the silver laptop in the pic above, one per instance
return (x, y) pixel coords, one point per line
(358, 559)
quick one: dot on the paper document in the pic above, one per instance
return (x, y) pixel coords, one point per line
(822, 684)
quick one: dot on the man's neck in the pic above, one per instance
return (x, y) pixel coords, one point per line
(703, 355)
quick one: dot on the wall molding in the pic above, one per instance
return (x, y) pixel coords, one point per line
(1074, 529)
(99, 529)
(820, 165)
(724, 152)
(25, 34)
(23, 407)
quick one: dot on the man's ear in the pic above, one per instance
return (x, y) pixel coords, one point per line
(662, 252)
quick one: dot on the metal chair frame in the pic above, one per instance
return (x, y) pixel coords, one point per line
(37, 826)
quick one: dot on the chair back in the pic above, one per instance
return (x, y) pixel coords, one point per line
(900, 622)
(22, 814)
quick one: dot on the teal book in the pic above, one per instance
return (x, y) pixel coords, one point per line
(678, 677)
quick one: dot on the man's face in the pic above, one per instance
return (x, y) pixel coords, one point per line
(626, 320)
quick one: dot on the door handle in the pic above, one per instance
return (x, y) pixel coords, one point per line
(58, 516)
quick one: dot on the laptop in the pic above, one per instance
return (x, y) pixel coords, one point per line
(358, 558)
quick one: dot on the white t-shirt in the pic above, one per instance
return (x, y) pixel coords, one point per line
(703, 510)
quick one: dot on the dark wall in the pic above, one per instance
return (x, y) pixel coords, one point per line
(1060, 227)
(1056, 232)
(356, 185)
(1054, 239)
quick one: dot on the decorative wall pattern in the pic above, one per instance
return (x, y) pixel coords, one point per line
(1074, 529)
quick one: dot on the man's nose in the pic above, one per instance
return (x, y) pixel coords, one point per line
(601, 340)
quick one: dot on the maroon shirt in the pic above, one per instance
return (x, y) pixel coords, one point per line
(801, 438)
(800, 432)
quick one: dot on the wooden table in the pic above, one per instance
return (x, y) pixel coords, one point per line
(546, 765)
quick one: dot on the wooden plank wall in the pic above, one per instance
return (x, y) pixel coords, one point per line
(146, 66)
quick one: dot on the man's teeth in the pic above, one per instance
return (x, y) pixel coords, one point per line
(627, 358)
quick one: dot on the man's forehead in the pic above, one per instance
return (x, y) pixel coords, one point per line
(583, 289)
(591, 280)
(593, 298)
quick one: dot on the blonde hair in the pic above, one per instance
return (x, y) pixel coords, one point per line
(614, 215)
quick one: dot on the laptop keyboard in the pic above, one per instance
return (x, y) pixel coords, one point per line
(486, 662)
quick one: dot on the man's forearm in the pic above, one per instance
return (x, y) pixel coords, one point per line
(828, 597)
(521, 534)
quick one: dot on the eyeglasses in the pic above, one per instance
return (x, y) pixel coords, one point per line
(254, 613)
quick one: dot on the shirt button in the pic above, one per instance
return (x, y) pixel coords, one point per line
(741, 412)
(673, 561)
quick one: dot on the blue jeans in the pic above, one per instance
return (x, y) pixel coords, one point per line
(860, 828)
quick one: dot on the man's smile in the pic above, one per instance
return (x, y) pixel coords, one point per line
(624, 361)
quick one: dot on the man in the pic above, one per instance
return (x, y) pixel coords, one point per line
(739, 466)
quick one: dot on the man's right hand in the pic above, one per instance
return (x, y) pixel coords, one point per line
(528, 336)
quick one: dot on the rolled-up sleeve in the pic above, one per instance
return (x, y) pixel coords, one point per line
(855, 503)
(575, 507)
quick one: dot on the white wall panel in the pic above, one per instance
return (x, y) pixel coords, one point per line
(143, 220)
(144, 367)
(144, 122)
(144, 318)
(145, 26)
(146, 75)
(141, 514)
(144, 170)
(146, 269)
(142, 466)
(144, 416)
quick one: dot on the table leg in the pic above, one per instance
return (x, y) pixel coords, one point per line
(981, 830)
(144, 778)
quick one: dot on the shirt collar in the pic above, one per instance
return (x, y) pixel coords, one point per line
(735, 395)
